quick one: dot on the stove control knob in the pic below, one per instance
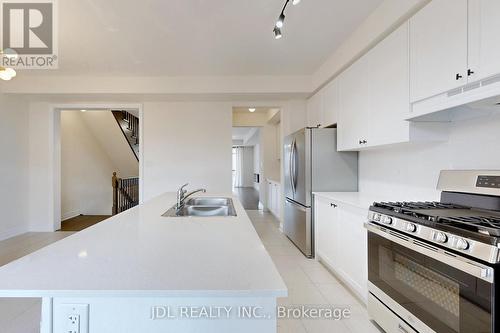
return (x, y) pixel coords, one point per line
(376, 217)
(410, 227)
(440, 237)
(462, 244)
(387, 220)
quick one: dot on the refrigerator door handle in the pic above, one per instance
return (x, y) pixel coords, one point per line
(290, 165)
(295, 167)
(296, 205)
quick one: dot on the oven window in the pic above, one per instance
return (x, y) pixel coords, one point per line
(429, 288)
(444, 298)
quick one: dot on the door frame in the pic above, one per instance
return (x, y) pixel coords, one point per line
(55, 149)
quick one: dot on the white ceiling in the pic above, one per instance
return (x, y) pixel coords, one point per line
(201, 37)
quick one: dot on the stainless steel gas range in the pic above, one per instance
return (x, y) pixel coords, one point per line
(434, 266)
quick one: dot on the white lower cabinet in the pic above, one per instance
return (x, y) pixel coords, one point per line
(341, 242)
(274, 198)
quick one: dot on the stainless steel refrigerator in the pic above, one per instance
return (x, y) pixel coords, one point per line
(312, 164)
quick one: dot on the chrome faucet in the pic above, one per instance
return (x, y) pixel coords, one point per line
(182, 195)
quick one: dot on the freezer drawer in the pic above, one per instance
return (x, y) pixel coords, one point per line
(298, 226)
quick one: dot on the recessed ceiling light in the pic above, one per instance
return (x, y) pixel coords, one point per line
(7, 74)
(251, 109)
(83, 110)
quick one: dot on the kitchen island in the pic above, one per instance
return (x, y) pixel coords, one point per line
(141, 272)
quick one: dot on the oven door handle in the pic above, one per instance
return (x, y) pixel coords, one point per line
(463, 264)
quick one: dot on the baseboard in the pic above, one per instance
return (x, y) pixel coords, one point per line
(12, 232)
(69, 215)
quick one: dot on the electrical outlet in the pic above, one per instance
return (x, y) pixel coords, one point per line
(72, 318)
(73, 325)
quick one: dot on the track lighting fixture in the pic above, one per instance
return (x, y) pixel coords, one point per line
(281, 19)
(277, 33)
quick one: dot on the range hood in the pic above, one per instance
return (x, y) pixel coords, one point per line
(473, 100)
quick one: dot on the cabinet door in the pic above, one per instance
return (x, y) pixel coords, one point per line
(270, 197)
(389, 92)
(325, 219)
(353, 241)
(331, 103)
(438, 48)
(353, 124)
(315, 110)
(276, 200)
(484, 38)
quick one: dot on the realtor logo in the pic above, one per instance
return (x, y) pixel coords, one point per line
(29, 32)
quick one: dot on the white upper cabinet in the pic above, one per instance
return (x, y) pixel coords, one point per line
(315, 110)
(323, 107)
(354, 116)
(484, 39)
(331, 103)
(438, 46)
(454, 56)
(374, 96)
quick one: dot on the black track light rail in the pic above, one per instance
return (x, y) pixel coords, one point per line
(281, 19)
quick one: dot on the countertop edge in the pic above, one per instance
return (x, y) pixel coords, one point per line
(141, 293)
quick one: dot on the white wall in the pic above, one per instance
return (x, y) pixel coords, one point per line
(187, 142)
(247, 167)
(414, 169)
(105, 129)
(14, 147)
(86, 168)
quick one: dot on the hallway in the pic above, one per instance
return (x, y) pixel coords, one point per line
(248, 196)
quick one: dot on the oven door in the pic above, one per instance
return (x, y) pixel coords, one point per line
(429, 286)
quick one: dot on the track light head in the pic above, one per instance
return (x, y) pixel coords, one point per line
(277, 33)
(295, 2)
(281, 19)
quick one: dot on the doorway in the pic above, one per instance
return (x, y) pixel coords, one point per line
(96, 149)
(246, 166)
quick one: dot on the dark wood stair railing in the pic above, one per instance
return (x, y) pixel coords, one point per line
(129, 125)
(125, 193)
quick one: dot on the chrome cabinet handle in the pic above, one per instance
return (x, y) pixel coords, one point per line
(333, 205)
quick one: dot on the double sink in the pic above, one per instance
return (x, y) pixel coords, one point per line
(203, 207)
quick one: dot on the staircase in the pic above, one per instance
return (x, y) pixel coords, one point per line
(129, 124)
(125, 193)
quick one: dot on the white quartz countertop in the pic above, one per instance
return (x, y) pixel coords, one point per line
(364, 200)
(139, 253)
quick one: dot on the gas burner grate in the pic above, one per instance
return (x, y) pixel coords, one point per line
(489, 225)
(409, 207)
(417, 205)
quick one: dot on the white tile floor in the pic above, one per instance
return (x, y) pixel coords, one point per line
(309, 283)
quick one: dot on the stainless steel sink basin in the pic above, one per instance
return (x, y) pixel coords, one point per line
(200, 201)
(204, 207)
